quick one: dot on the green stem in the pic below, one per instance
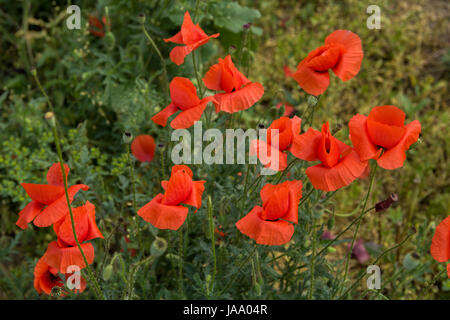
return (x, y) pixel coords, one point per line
(134, 269)
(359, 222)
(239, 270)
(355, 283)
(282, 173)
(197, 75)
(136, 224)
(166, 79)
(313, 255)
(90, 273)
(180, 265)
(91, 276)
(213, 245)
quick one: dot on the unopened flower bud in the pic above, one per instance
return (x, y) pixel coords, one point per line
(386, 204)
(141, 18)
(247, 25)
(158, 247)
(127, 137)
(50, 117)
(330, 223)
(110, 40)
(312, 100)
(107, 273)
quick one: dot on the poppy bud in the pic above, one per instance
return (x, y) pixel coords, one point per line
(386, 204)
(107, 273)
(160, 145)
(127, 137)
(158, 247)
(50, 116)
(312, 100)
(247, 26)
(261, 126)
(110, 40)
(231, 49)
(330, 223)
(141, 18)
(331, 250)
(412, 230)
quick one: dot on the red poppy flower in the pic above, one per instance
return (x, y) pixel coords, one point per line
(48, 203)
(143, 148)
(165, 210)
(269, 224)
(46, 278)
(341, 53)
(240, 93)
(64, 252)
(184, 98)
(440, 245)
(288, 108)
(384, 128)
(97, 27)
(192, 36)
(283, 128)
(340, 164)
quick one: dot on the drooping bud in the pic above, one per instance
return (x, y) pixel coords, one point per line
(107, 273)
(110, 40)
(386, 204)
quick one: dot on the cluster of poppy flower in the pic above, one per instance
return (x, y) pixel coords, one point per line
(48, 207)
(381, 136)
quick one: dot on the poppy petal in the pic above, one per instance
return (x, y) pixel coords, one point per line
(178, 189)
(143, 148)
(191, 33)
(313, 82)
(213, 77)
(304, 146)
(394, 158)
(342, 174)
(187, 118)
(44, 280)
(61, 258)
(239, 100)
(58, 209)
(272, 233)
(28, 213)
(183, 93)
(352, 54)
(269, 156)
(177, 38)
(54, 174)
(360, 138)
(440, 244)
(163, 216)
(195, 199)
(162, 116)
(43, 193)
(295, 194)
(178, 54)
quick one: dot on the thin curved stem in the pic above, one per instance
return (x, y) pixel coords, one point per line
(359, 223)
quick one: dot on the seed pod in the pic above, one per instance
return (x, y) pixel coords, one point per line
(158, 247)
(127, 137)
(141, 18)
